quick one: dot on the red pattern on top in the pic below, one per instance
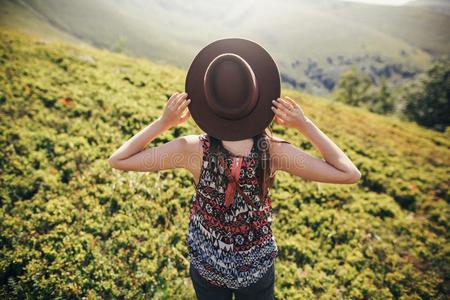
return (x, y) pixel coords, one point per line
(230, 246)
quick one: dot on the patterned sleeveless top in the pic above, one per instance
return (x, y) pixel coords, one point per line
(230, 246)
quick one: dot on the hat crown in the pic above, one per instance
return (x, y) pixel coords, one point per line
(230, 86)
(232, 100)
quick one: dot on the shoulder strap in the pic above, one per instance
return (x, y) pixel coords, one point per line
(204, 140)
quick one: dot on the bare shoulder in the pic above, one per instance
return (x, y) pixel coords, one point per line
(192, 143)
(192, 139)
(194, 154)
(283, 153)
(277, 144)
(278, 139)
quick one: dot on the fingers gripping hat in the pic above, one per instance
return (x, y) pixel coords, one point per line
(231, 83)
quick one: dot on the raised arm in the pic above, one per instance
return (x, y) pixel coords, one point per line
(174, 154)
(336, 167)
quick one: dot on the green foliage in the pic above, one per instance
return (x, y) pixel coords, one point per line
(352, 88)
(356, 89)
(428, 102)
(120, 44)
(71, 227)
(394, 42)
(382, 100)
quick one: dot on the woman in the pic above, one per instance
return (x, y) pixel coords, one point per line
(209, 159)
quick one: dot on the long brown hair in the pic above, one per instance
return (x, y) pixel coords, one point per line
(264, 164)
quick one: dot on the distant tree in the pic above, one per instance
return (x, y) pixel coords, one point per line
(352, 88)
(428, 103)
(382, 100)
(120, 45)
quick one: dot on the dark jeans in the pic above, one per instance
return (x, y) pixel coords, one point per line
(263, 289)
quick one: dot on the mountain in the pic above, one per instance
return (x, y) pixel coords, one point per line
(71, 227)
(415, 24)
(437, 5)
(311, 41)
(20, 15)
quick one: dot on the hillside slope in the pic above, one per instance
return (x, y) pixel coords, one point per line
(17, 14)
(417, 26)
(312, 41)
(70, 226)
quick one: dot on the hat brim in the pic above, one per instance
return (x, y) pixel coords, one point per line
(267, 76)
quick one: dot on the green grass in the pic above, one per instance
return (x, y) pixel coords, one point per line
(14, 15)
(70, 226)
(417, 26)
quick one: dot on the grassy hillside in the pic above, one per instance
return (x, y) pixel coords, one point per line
(70, 226)
(418, 26)
(312, 41)
(438, 5)
(15, 14)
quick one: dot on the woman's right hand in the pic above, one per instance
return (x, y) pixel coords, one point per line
(289, 113)
(174, 109)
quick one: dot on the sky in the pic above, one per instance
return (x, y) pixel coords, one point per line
(384, 2)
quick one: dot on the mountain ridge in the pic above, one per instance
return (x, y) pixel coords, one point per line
(331, 29)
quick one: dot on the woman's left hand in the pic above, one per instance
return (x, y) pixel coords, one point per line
(173, 111)
(289, 113)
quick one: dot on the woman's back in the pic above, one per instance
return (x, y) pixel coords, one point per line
(230, 239)
(232, 245)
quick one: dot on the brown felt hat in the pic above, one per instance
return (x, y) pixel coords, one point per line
(231, 83)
